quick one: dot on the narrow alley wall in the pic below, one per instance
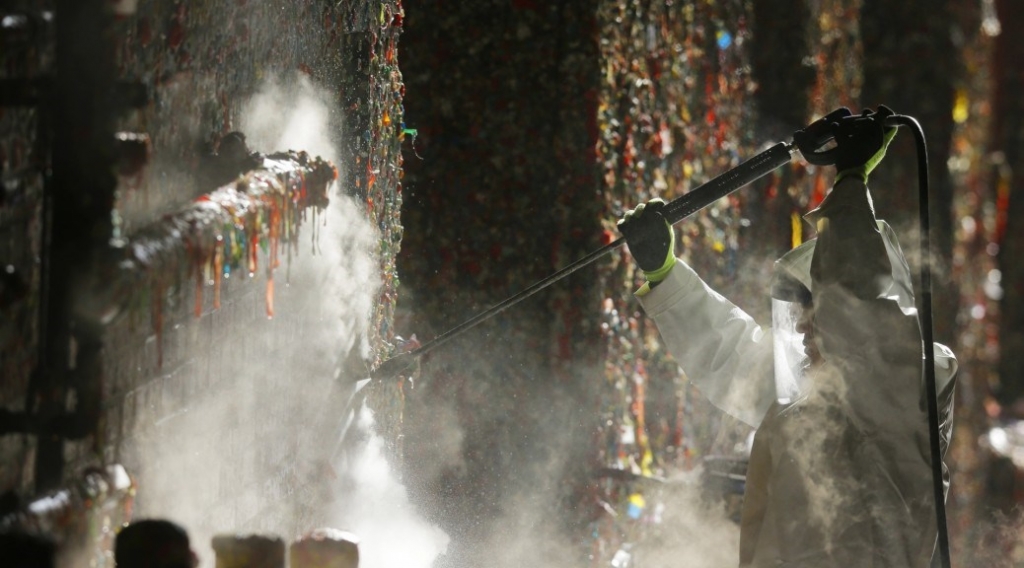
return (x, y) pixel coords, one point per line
(658, 98)
(679, 92)
(719, 80)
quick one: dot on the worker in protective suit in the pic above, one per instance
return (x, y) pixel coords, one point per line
(839, 471)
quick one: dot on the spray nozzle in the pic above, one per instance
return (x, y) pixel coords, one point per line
(402, 364)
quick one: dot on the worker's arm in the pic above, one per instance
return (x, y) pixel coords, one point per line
(719, 347)
(722, 350)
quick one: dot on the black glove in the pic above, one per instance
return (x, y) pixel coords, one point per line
(650, 238)
(862, 142)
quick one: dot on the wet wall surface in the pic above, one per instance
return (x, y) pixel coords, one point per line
(673, 94)
(501, 191)
(538, 126)
(203, 392)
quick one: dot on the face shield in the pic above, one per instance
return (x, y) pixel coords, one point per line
(795, 349)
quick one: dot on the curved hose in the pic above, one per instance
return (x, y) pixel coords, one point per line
(925, 320)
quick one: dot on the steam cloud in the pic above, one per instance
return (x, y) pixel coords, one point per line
(253, 451)
(378, 510)
(374, 505)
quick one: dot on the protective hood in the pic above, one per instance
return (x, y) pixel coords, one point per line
(791, 277)
(794, 268)
(792, 307)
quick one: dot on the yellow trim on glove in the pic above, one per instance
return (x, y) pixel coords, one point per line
(670, 261)
(864, 170)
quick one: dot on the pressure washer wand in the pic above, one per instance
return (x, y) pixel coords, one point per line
(675, 211)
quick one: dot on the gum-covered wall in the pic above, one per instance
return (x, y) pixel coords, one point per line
(527, 130)
(672, 94)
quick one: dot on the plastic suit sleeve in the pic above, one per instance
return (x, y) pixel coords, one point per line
(722, 350)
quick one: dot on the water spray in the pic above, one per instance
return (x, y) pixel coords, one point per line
(818, 143)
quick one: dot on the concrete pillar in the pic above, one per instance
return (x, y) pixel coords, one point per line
(325, 548)
(250, 551)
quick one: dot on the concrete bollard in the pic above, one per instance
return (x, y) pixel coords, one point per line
(325, 548)
(250, 551)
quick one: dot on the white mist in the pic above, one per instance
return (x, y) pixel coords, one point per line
(369, 500)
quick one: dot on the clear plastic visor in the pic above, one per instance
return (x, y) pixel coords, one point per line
(792, 358)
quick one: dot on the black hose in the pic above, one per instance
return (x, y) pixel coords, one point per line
(925, 320)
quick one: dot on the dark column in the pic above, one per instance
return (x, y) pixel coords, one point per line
(911, 65)
(1008, 137)
(500, 191)
(778, 61)
(79, 199)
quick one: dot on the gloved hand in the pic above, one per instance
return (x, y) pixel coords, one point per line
(862, 146)
(650, 238)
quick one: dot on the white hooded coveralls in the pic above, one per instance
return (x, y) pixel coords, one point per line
(842, 476)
